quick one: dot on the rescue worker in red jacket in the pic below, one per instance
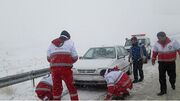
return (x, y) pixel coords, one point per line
(61, 55)
(44, 88)
(166, 50)
(118, 83)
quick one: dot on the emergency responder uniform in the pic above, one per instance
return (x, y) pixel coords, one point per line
(44, 88)
(61, 55)
(166, 50)
(118, 83)
(137, 53)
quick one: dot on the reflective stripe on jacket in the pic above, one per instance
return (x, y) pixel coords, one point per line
(117, 82)
(61, 55)
(167, 51)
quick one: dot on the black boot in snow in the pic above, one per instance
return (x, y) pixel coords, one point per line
(161, 93)
(173, 87)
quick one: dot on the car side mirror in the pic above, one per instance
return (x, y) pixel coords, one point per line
(120, 57)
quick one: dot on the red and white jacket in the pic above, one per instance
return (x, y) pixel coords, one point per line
(118, 83)
(167, 51)
(44, 88)
(62, 53)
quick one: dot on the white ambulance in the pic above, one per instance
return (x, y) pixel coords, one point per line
(142, 40)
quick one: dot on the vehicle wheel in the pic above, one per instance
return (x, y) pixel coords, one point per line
(129, 72)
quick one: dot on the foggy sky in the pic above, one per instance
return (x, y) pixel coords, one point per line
(30, 25)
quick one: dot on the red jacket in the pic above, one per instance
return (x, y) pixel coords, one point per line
(166, 51)
(118, 83)
(62, 53)
(44, 91)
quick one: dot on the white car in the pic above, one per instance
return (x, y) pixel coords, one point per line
(87, 69)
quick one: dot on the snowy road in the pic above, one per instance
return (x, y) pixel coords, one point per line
(89, 93)
(145, 90)
(148, 89)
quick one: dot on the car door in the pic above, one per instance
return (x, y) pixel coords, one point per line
(120, 61)
(127, 64)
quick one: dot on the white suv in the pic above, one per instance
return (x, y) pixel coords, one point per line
(87, 69)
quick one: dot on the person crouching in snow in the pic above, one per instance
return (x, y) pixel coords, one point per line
(118, 83)
(44, 88)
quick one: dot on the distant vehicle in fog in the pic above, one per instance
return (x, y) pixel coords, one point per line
(142, 40)
(87, 69)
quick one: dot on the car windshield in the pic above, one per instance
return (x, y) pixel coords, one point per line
(140, 41)
(128, 43)
(100, 52)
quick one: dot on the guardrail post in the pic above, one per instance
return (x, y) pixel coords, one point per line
(33, 82)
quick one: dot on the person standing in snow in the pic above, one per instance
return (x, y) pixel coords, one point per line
(61, 56)
(44, 88)
(166, 50)
(137, 54)
(118, 83)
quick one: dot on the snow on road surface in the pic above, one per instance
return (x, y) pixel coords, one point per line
(145, 90)
(89, 93)
(148, 89)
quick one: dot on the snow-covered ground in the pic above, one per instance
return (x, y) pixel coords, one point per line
(148, 89)
(28, 26)
(143, 90)
(14, 62)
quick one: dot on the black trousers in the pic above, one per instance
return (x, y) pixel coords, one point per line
(170, 67)
(138, 67)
